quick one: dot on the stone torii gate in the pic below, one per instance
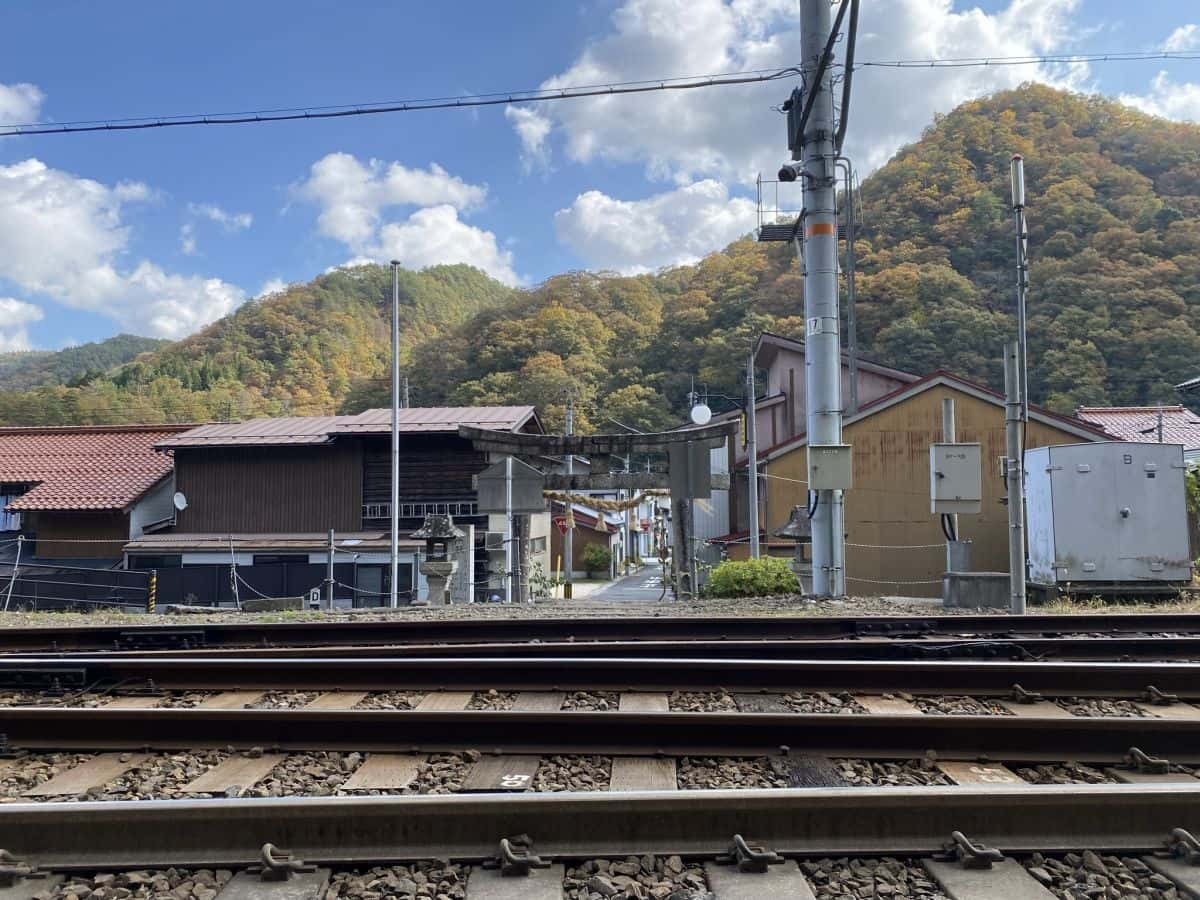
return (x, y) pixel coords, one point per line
(688, 474)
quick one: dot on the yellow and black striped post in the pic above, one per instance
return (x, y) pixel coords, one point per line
(152, 591)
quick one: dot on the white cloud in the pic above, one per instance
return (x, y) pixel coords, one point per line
(353, 197)
(731, 132)
(533, 129)
(231, 222)
(187, 239)
(15, 317)
(1169, 99)
(63, 236)
(19, 103)
(436, 235)
(670, 228)
(272, 286)
(352, 194)
(1185, 37)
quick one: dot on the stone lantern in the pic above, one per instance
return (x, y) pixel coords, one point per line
(438, 565)
(799, 529)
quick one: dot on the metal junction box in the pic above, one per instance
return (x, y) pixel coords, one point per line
(955, 478)
(830, 467)
(1107, 513)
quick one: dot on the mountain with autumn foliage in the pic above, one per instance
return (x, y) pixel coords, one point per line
(1114, 310)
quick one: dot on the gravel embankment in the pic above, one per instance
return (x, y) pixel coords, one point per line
(573, 773)
(592, 701)
(660, 878)
(707, 772)
(960, 706)
(391, 700)
(1089, 876)
(1065, 773)
(180, 884)
(493, 699)
(420, 881)
(869, 879)
(703, 701)
(886, 773)
(820, 702)
(1097, 707)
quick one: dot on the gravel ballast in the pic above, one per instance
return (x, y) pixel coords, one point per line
(443, 773)
(1098, 707)
(1065, 773)
(426, 880)
(959, 706)
(492, 699)
(592, 701)
(840, 879)
(317, 774)
(284, 700)
(30, 771)
(640, 877)
(573, 773)
(820, 702)
(708, 772)
(886, 773)
(391, 700)
(703, 701)
(1088, 875)
(165, 884)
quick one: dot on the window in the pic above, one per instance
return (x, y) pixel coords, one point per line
(537, 545)
(155, 562)
(271, 559)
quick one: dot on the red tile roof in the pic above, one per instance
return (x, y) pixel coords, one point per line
(323, 429)
(1140, 423)
(91, 467)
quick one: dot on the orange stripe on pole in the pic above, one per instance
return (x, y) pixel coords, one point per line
(819, 228)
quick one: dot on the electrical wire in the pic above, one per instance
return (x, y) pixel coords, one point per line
(542, 95)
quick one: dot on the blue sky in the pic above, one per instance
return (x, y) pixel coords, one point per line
(159, 232)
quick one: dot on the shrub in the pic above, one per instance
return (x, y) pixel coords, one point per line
(597, 559)
(752, 578)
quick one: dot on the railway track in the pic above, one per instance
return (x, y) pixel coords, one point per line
(164, 772)
(182, 634)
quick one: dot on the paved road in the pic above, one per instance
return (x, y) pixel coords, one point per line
(644, 586)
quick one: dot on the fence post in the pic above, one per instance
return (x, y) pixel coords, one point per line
(152, 591)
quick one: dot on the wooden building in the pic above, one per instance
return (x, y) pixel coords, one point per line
(264, 494)
(894, 543)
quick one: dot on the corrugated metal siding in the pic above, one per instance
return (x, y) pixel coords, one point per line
(889, 504)
(270, 489)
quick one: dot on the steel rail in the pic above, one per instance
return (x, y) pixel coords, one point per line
(982, 648)
(814, 822)
(554, 673)
(182, 632)
(1008, 738)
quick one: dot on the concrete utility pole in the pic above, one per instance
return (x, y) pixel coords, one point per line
(1014, 477)
(329, 574)
(569, 532)
(822, 351)
(752, 452)
(394, 509)
(509, 531)
(950, 436)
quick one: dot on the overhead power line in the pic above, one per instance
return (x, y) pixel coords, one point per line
(539, 95)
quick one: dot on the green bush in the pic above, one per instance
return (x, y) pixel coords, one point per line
(751, 578)
(597, 559)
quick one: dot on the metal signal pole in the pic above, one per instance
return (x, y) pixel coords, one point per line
(394, 596)
(823, 351)
(752, 453)
(569, 532)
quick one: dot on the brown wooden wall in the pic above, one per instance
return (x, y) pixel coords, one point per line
(270, 489)
(109, 526)
(889, 504)
(434, 467)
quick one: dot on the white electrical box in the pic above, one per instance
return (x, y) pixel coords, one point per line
(955, 478)
(830, 467)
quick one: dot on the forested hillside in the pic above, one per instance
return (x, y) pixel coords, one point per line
(74, 365)
(1114, 309)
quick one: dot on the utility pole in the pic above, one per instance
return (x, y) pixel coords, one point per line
(1018, 200)
(950, 436)
(752, 451)
(509, 556)
(823, 352)
(329, 574)
(568, 533)
(394, 509)
(1014, 477)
